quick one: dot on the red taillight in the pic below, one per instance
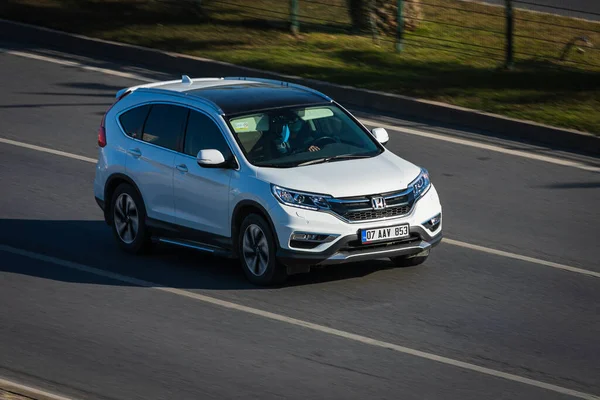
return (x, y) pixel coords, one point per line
(102, 136)
(102, 129)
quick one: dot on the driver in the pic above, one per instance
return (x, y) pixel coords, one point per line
(293, 135)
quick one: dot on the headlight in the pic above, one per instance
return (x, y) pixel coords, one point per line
(299, 199)
(421, 184)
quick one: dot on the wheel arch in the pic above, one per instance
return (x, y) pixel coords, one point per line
(240, 212)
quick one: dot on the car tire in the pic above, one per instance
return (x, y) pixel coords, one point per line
(257, 251)
(410, 261)
(128, 220)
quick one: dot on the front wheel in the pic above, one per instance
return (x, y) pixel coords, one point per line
(410, 261)
(257, 250)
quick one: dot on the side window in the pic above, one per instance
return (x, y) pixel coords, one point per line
(133, 120)
(201, 134)
(164, 125)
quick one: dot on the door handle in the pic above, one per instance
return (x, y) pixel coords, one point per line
(182, 168)
(135, 152)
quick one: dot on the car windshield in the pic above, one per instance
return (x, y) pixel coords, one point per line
(290, 137)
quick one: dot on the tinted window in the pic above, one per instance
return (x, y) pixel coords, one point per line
(201, 134)
(164, 125)
(133, 120)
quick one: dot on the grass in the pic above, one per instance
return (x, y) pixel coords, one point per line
(455, 56)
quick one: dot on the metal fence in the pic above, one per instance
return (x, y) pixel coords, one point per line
(510, 32)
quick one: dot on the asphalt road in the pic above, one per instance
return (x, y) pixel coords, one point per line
(96, 337)
(586, 9)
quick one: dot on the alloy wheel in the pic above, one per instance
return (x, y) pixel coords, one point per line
(255, 249)
(126, 218)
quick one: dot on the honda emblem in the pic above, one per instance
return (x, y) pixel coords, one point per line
(378, 203)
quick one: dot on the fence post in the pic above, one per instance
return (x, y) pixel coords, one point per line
(510, 27)
(370, 4)
(294, 16)
(400, 26)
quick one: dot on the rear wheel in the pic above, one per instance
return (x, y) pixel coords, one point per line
(410, 261)
(129, 220)
(257, 250)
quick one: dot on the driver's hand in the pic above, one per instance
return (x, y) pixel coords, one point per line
(313, 148)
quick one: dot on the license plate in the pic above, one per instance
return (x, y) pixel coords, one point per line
(383, 234)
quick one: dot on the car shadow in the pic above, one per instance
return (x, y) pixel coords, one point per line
(39, 247)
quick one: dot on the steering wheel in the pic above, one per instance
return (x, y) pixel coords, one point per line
(324, 141)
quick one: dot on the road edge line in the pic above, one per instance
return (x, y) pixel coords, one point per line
(515, 256)
(48, 150)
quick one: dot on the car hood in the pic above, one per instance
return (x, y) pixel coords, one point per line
(381, 174)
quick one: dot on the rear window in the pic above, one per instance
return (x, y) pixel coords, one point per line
(133, 120)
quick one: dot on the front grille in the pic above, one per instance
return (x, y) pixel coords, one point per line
(376, 214)
(358, 209)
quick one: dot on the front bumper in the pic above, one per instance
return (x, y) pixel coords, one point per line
(345, 245)
(348, 249)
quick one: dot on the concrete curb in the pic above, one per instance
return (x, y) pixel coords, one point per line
(28, 392)
(486, 123)
(10, 395)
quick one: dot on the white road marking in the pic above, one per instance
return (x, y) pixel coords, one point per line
(58, 61)
(520, 257)
(409, 131)
(446, 240)
(301, 323)
(479, 145)
(47, 150)
(29, 391)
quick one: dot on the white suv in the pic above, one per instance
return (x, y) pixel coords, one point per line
(275, 174)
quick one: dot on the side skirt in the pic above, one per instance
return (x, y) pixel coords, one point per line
(217, 251)
(164, 232)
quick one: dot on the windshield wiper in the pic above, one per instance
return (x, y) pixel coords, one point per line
(333, 158)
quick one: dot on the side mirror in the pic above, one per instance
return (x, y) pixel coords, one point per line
(381, 135)
(210, 158)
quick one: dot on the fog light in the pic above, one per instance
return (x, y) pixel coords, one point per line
(309, 237)
(307, 240)
(434, 223)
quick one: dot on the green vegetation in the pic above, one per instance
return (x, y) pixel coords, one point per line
(439, 61)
